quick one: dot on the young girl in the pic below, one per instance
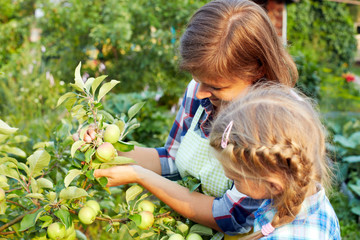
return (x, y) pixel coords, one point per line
(227, 46)
(272, 145)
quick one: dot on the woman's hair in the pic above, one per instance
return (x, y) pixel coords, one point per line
(276, 132)
(235, 39)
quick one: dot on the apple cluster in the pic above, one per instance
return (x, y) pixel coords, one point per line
(103, 140)
(57, 231)
(184, 230)
(88, 213)
(146, 211)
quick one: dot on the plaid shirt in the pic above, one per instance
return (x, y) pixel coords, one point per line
(180, 127)
(316, 219)
(234, 212)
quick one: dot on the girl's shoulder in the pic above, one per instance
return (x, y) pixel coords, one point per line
(316, 220)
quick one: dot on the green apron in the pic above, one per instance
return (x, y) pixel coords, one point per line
(194, 158)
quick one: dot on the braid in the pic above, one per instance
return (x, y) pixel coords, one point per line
(295, 165)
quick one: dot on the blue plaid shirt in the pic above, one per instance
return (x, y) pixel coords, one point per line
(184, 117)
(316, 220)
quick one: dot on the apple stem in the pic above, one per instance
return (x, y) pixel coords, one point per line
(163, 214)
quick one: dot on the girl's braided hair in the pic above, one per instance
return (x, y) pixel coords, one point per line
(276, 132)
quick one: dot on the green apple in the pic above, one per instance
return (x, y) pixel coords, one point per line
(146, 205)
(94, 205)
(193, 236)
(176, 236)
(87, 215)
(147, 220)
(56, 231)
(168, 220)
(105, 152)
(70, 230)
(3, 178)
(2, 194)
(182, 227)
(71, 236)
(112, 133)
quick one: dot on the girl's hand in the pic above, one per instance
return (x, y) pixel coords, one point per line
(119, 175)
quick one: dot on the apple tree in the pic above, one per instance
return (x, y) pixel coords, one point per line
(52, 193)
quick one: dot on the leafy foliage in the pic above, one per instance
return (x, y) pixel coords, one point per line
(345, 147)
(56, 181)
(325, 25)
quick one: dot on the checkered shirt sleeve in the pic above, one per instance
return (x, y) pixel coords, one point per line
(233, 212)
(181, 125)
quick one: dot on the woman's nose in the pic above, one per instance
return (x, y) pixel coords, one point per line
(203, 92)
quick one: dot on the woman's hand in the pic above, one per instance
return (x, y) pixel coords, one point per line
(119, 175)
(192, 205)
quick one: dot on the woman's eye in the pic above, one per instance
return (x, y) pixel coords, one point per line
(216, 89)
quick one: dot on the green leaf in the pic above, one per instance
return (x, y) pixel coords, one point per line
(193, 186)
(44, 183)
(34, 185)
(88, 84)
(90, 174)
(75, 147)
(135, 218)
(72, 174)
(78, 79)
(135, 109)
(9, 172)
(103, 181)
(6, 129)
(124, 233)
(43, 145)
(51, 196)
(352, 159)
(355, 188)
(133, 192)
(107, 115)
(35, 195)
(356, 210)
(106, 88)
(120, 161)
(72, 193)
(201, 230)
(19, 139)
(65, 97)
(97, 82)
(343, 141)
(29, 220)
(14, 150)
(38, 161)
(123, 146)
(88, 154)
(23, 167)
(64, 216)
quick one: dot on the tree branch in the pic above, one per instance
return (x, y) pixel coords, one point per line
(18, 219)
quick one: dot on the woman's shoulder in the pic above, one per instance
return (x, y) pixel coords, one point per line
(191, 89)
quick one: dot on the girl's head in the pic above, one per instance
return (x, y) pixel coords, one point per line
(274, 149)
(232, 41)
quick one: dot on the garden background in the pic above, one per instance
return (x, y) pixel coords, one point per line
(135, 42)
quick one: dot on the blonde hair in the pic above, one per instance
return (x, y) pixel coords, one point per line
(235, 39)
(276, 132)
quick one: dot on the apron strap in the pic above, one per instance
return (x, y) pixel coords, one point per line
(196, 118)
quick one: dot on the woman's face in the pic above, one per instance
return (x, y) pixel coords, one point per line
(220, 90)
